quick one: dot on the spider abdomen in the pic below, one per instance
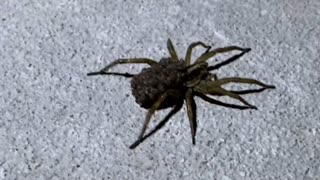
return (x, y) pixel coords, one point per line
(151, 82)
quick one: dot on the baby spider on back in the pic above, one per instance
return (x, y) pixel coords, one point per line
(172, 81)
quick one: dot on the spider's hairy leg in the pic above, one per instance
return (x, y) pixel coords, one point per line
(192, 114)
(104, 71)
(249, 91)
(190, 48)
(220, 90)
(150, 112)
(172, 51)
(111, 73)
(214, 101)
(230, 60)
(213, 89)
(204, 57)
(172, 112)
(241, 80)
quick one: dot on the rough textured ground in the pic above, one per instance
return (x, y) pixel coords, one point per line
(57, 123)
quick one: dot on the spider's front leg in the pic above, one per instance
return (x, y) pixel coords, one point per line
(172, 51)
(191, 47)
(230, 60)
(204, 57)
(214, 101)
(212, 88)
(244, 80)
(240, 80)
(105, 70)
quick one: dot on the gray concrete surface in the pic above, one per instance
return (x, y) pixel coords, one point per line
(57, 123)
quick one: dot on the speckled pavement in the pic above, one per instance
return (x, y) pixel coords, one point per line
(57, 123)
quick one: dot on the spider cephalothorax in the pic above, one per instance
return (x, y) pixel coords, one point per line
(171, 81)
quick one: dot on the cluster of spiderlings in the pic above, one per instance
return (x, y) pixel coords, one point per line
(153, 81)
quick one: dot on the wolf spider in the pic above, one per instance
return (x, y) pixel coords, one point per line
(173, 81)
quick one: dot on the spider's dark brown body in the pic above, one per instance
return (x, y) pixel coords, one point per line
(155, 80)
(171, 82)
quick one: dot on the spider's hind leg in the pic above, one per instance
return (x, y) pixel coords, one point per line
(105, 70)
(172, 112)
(150, 112)
(192, 114)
